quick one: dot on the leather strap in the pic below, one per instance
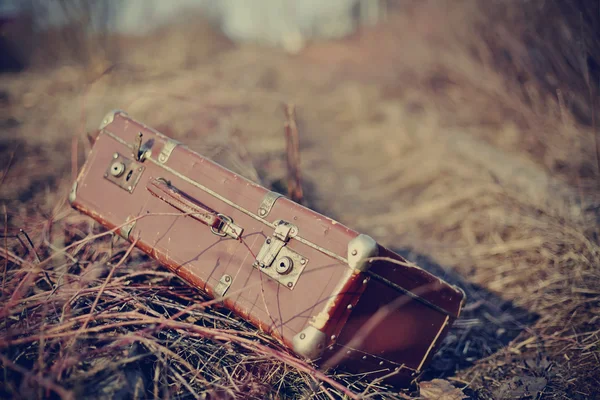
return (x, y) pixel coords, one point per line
(179, 200)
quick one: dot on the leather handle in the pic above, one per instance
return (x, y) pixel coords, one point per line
(179, 200)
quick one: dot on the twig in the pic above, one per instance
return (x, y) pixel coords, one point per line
(156, 378)
(5, 249)
(97, 299)
(12, 257)
(46, 383)
(28, 244)
(10, 160)
(74, 157)
(294, 181)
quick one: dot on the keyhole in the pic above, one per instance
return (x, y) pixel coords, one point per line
(117, 169)
(129, 176)
(285, 266)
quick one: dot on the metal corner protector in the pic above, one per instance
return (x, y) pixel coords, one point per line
(309, 343)
(360, 249)
(110, 117)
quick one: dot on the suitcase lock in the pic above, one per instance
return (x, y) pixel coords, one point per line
(124, 172)
(277, 260)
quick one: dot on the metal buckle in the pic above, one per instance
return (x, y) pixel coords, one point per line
(288, 264)
(227, 228)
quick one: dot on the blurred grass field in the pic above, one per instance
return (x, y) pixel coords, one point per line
(463, 134)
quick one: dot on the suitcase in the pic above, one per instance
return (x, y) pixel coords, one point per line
(326, 292)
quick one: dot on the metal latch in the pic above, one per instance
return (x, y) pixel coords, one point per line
(277, 260)
(124, 172)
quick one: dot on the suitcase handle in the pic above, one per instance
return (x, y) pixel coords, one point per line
(220, 225)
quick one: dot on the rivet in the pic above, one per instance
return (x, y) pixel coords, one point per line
(348, 352)
(354, 252)
(227, 278)
(268, 241)
(116, 155)
(397, 369)
(380, 362)
(129, 188)
(364, 357)
(333, 337)
(262, 211)
(303, 261)
(331, 348)
(302, 336)
(290, 284)
(349, 307)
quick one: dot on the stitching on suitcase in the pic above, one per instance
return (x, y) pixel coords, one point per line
(375, 356)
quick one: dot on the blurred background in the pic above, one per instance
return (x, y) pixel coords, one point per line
(466, 131)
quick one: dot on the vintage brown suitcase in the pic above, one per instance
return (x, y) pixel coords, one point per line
(326, 292)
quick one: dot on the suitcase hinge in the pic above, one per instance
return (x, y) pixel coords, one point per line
(267, 203)
(277, 260)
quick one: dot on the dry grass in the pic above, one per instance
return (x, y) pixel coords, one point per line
(446, 132)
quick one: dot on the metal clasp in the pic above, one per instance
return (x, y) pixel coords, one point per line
(227, 228)
(124, 172)
(273, 245)
(274, 252)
